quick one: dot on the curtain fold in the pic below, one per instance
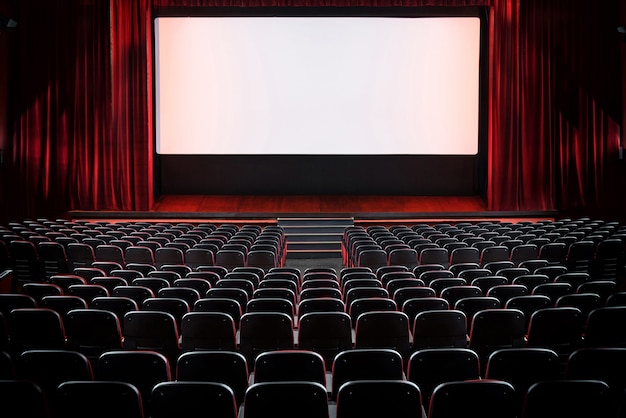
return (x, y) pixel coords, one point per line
(504, 107)
(132, 117)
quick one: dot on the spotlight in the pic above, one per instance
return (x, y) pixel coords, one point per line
(7, 23)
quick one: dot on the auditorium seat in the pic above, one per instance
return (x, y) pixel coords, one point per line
(10, 301)
(435, 255)
(439, 284)
(39, 289)
(50, 368)
(360, 306)
(128, 274)
(493, 253)
(365, 364)
(151, 330)
(208, 331)
(585, 302)
(289, 365)
(473, 398)
(470, 305)
(364, 292)
(286, 399)
(531, 280)
(196, 257)
(230, 258)
(602, 363)
(211, 276)
(580, 255)
(368, 398)
(493, 329)
(439, 328)
(199, 284)
(522, 367)
(25, 262)
(24, 398)
(264, 331)
(138, 254)
(63, 303)
(497, 266)
(109, 252)
(504, 292)
(173, 305)
(603, 327)
(221, 366)
(430, 367)
(168, 255)
(523, 252)
(386, 329)
(603, 288)
(188, 294)
(136, 293)
(237, 294)
(35, 328)
(402, 294)
(327, 333)
(92, 331)
(473, 273)
(153, 283)
(567, 398)
(251, 276)
(170, 276)
(99, 399)
(321, 304)
(224, 305)
(143, 268)
(414, 305)
(432, 273)
(551, 270)
(177, 399)
(455, 292)
(89, 272)
(264, 259)
(140, 368)
(53, 258)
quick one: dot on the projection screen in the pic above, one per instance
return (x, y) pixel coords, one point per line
(315, 88)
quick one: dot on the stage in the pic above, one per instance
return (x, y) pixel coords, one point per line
(361, 208)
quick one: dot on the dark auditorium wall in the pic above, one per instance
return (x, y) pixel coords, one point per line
(70, 104)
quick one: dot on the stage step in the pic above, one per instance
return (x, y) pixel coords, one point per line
(314, 237)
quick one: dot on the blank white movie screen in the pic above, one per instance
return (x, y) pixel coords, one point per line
(317, 85)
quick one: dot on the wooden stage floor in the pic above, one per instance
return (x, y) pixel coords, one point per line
(364, 208)
(320, 204)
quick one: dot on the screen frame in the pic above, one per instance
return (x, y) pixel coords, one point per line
(179, 174)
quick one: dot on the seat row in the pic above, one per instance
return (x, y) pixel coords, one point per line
(38, 251)
(595, 247)
(210, 326)
(438, 383)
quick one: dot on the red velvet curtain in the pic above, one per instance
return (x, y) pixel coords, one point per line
(81, 133)
(80, 102)
(46, 162)
(555, 106)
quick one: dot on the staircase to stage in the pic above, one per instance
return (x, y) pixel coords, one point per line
(314, 237)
